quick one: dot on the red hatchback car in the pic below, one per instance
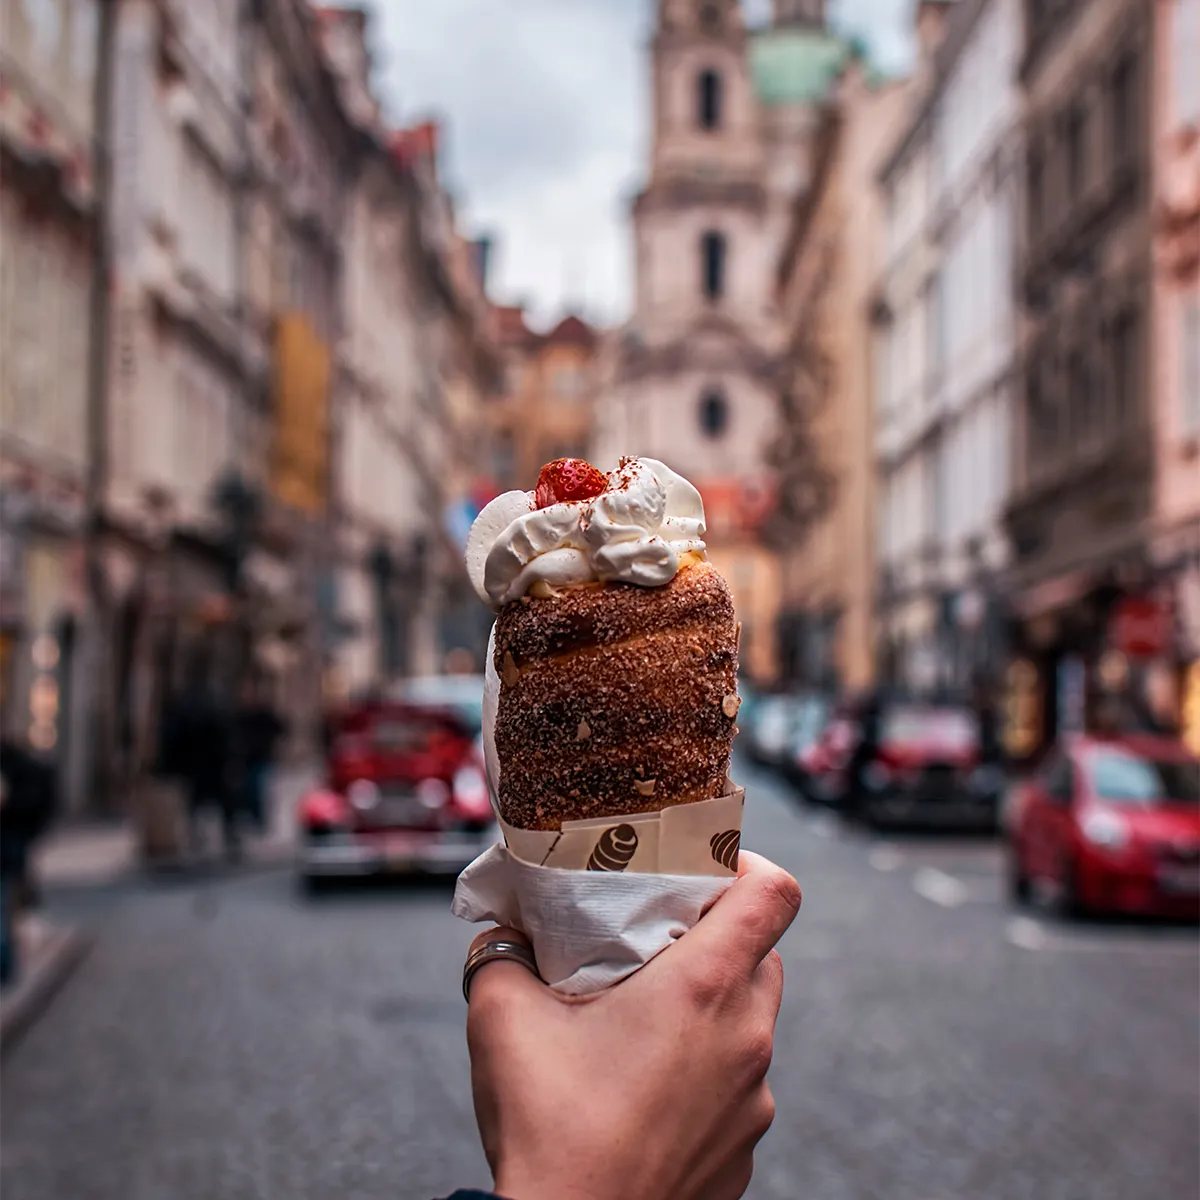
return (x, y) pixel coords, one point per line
(1110, 826)
(406, 792)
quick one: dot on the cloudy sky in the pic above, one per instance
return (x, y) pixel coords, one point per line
(545, 104)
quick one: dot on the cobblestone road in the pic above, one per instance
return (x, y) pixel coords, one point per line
(226, 1040)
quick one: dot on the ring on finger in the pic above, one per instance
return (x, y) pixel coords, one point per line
(500, 950)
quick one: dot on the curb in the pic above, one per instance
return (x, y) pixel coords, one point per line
(44, 978)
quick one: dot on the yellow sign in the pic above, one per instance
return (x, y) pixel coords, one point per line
(301, 381)
(1191, 708)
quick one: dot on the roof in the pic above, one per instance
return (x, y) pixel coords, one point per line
(510, 324)
(797, 66)
(571, 331)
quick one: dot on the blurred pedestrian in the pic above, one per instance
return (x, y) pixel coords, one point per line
(654, 1088)
(28, 799)
(196, 748)
(258, 729)
(866, 749)
(987, 714)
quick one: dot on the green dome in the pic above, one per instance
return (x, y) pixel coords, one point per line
(796, 66)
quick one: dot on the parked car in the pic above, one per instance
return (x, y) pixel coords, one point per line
(405, 792)
(768, 728)
(1110, 825)
(928, 772)
(812, 714)
(824, 763)
(462, 693)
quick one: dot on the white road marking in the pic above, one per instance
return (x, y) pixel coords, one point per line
(1028, 934)
(939, 887)
(822, 826)
(885, 858)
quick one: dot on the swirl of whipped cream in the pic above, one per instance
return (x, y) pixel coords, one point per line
(634, 532)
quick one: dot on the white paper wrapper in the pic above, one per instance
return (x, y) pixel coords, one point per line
(599, 898)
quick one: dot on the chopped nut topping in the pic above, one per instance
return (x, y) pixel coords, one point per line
(645, 786)
(730, 705)
(585, 732)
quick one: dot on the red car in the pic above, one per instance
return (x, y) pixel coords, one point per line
(1112, 826)
(822, 763)
(928, 772)
(406, 792)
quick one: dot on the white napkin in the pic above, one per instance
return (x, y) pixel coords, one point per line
(589, 929)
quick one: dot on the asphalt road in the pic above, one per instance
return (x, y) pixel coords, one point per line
(227, 1040)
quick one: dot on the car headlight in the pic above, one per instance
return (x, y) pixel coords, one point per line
(877, 777)
(363, 795)
(985, 779)
(1104, 828)
(432, 793)
(470, 791)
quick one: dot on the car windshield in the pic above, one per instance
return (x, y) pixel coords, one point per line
(948, 728)
(461, 693)
(1125, 778)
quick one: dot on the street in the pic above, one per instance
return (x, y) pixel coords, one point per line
(226, 1039)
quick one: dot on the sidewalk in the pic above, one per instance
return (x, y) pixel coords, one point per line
(80, 854)
(90, 854)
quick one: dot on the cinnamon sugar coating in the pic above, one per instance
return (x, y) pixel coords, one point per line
(644, 670)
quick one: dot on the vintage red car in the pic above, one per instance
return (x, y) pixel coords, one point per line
(405, 791)
(1110, 825)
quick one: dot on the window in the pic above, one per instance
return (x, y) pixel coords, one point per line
(709, 99)
(714, 414)
(1189, 384)
(1123, 778)
(1037, 194)
(1075, 147)
(1124, 348)
(1123, 101)
(712, 254)
(710, 18)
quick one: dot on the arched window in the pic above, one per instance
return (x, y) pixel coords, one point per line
(714, 414)
(712, 264)
(708, 99)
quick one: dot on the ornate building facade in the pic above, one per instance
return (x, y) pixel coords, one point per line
(694, 373)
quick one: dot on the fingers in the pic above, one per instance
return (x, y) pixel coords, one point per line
(500, 979)
(750, 916)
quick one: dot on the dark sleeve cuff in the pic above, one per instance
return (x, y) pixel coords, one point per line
(471, 1194)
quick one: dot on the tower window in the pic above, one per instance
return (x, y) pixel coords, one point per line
(710, 18)
(709, 99)
(714, 414)
(712, 256)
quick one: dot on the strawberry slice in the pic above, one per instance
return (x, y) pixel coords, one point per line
(567, 479)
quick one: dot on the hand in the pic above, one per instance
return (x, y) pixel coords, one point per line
(653, 1088)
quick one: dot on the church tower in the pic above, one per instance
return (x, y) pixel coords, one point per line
(693, 370)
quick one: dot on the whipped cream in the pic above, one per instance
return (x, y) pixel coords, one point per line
(633, 532)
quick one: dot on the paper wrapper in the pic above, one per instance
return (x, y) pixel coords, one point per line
(599, 898)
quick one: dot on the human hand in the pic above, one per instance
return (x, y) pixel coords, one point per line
(653, 1088)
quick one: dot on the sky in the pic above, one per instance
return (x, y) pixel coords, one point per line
(545, 105)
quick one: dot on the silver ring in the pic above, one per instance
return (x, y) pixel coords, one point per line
(500, 950)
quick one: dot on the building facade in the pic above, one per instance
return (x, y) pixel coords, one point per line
(1176, 350)
(1085, 447)
(694, 372)
(230, 159)
(545, 407)
(48, 244)
(947, 346)
(826, 282)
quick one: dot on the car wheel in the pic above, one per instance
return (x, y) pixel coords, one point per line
(1067, 903)
(1020, 889)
